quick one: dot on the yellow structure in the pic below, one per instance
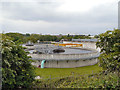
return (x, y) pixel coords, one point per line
(69, 45)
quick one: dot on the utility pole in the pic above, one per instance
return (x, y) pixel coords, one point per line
(119, 15)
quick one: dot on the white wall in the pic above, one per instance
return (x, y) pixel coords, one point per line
(90, 45)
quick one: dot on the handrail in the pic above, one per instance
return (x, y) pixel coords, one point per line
(94, 54)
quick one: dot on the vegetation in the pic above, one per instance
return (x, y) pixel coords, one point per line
(24, 38)
(16, 37)
(17, 70)
(109, 43)
(84, 81)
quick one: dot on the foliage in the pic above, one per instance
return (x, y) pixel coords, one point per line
(109, 43)
(81, 77)
(18, 37)
(96, 36)
(81, 37)
(84, 81)
(17, 70)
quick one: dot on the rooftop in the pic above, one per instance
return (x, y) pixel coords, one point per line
(85, 40)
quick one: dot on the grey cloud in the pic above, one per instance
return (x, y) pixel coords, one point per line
(38, 11)
(95, 21)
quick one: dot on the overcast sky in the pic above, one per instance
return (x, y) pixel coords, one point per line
(58, 16)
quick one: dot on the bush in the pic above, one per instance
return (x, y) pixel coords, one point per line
(17, 70)
(109, 43)
(87, 81)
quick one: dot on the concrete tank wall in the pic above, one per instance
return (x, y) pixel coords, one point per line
(70, 63)
(67, 63)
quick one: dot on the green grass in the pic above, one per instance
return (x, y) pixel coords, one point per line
(65, 72)
(67, 80)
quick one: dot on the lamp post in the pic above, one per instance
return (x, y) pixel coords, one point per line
(119, 15)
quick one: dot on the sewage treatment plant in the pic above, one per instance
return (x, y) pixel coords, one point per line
(77, 53)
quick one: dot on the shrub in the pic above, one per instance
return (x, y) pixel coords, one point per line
(17, 70)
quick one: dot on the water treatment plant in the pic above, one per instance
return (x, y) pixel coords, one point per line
(77, 53)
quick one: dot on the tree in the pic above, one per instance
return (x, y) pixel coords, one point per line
(68, 35)
(17, 70)
(109, 43)
(16, 36)
(27, 34)
(96, 36)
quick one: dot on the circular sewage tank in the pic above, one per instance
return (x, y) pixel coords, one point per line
(48, 49)
(72, 57)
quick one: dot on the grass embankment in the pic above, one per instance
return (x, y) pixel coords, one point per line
(65, 72)
(82, 78)
(90, 81)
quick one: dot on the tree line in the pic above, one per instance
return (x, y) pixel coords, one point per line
(19, 37)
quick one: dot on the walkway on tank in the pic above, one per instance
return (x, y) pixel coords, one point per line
(93, 54)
